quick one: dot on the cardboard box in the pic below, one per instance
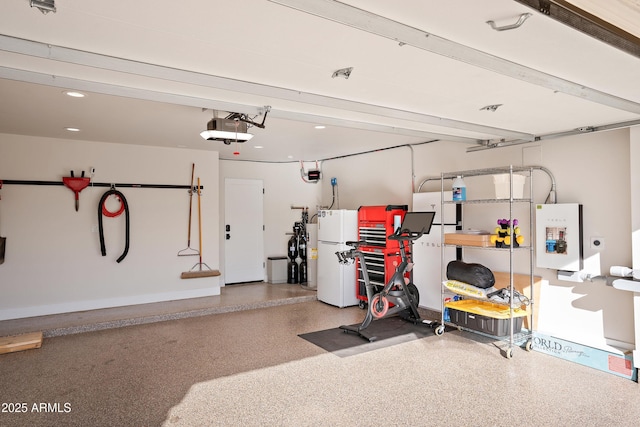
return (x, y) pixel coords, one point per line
(522, 284)
(468, 239)
(619, 363)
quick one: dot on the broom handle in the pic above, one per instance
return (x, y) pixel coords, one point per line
(199, 224)
(193, 167)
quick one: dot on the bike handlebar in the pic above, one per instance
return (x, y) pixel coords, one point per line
(405, 235)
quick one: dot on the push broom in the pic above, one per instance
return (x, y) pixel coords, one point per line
(197, 270)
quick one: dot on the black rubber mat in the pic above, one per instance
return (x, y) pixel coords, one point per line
(387, 332)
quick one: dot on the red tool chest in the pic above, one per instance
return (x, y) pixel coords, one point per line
(375, 224)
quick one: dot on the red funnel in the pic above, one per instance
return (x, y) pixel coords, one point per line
(76, 185)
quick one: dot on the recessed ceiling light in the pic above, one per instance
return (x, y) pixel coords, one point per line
(73, 129)
(258, 146)
(75, 94)
(319, 127)
(289, 157)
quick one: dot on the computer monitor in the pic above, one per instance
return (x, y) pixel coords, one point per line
(416, 222)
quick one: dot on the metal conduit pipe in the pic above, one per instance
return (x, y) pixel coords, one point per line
(551, 197)
(413, 170)
(424, 181)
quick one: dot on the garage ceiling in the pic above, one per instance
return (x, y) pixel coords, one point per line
(421, 70)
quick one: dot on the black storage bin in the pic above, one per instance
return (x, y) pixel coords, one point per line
(484, 324)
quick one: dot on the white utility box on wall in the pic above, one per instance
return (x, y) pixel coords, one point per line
(559, 236)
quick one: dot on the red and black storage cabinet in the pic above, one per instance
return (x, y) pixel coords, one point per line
(381, 255)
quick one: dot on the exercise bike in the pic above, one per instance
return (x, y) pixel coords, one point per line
(399, 295)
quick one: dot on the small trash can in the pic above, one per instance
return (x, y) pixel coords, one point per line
(503, 186)
(277, 269)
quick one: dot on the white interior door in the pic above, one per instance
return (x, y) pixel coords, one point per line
(243, 231)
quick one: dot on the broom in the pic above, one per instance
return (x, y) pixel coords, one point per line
(197, 271)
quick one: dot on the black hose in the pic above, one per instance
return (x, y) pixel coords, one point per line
(126, 211)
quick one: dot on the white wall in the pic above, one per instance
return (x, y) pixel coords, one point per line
(634, 160)
(378, 178)
(53, 262)
(284, 188)
(591, 169)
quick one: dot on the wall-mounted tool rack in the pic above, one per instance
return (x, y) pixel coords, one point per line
(100, 184)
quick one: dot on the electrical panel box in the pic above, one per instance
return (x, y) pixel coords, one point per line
(313, 175)
(559, 236)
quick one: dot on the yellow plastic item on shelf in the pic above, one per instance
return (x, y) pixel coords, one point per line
(484, 308)
(462, 288)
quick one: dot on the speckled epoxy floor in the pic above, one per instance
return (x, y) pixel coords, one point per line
(231, 298)
(250, 368)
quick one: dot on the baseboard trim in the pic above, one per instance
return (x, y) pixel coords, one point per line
(70, 307)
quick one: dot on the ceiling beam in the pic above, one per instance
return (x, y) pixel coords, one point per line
(197, 102)
(581, 130)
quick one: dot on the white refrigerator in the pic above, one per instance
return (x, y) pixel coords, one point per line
(336, 282)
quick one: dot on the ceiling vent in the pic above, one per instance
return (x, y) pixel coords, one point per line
(226, 130)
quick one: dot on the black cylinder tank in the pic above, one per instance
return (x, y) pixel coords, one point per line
(292, 272)
(302, 246)
(302, 277)
(292, 248)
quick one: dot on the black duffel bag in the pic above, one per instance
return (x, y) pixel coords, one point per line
(474, 274)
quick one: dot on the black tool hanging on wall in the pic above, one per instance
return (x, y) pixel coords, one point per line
(101, 211)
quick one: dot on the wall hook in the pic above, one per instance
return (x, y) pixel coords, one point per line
(523, 17)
